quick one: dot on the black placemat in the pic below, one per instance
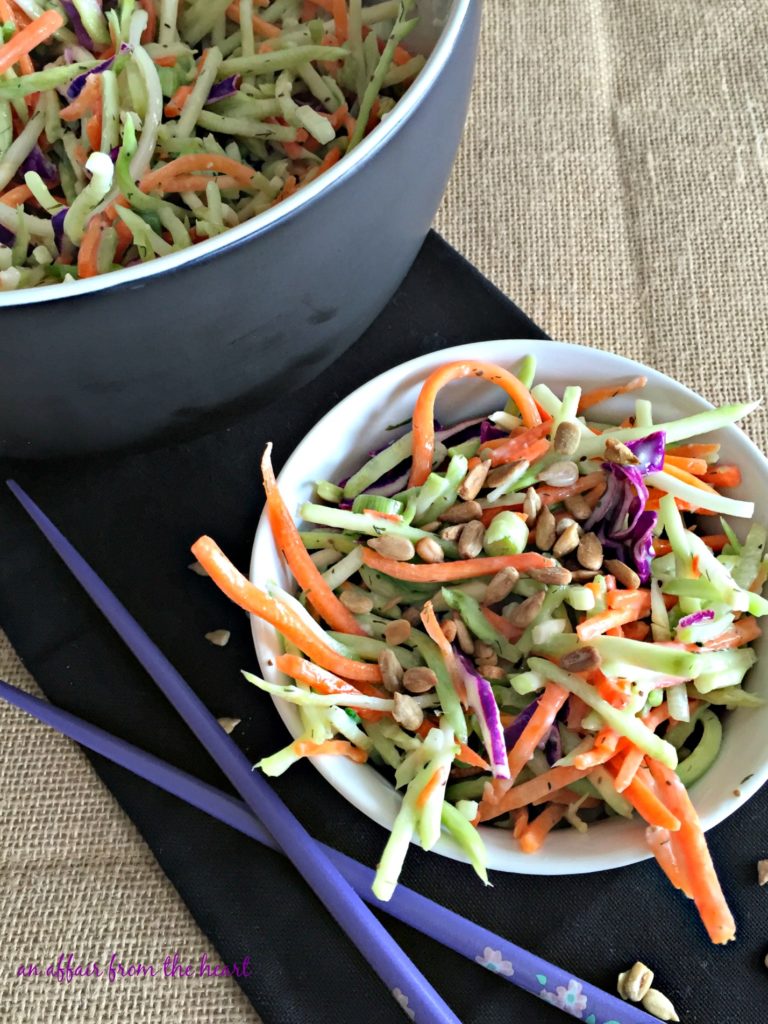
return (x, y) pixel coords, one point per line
(133, 517)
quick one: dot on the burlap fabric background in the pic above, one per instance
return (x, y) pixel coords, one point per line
(614, 181)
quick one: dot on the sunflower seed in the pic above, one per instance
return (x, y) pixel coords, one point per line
(590, 552)
(419, 680)
(407, 712)
(567, 437)
(229, 724)
(474, 481)
(391, 670)
(578, 507)
(563, 523)
(463, 636)
(432, 527)
(471, 539)
(400, 549)
(218, 637)
(624, 575)
(633, 985)
(504, 476)
(461, 512)
(451, 532)
(484, 652)
(618, 453)
(545, 530)
(429, 550)
(397, 632)
(412, 615)
(356, 602)
(560, 474)
(567, 542)
(657, 1004)
(524, 614)
(762, 872)
(552, 575)
(490, 671)
(502, 585)
(582, 659)
(448, 626)
(532, 505)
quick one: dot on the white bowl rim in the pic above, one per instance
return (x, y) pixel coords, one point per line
(270, 218)
(345, 778)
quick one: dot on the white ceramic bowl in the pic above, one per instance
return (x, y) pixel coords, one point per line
(338, 444)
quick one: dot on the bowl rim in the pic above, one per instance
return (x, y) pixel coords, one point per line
(267, 220)
(379, 803)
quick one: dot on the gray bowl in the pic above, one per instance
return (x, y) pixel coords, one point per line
(150, 351)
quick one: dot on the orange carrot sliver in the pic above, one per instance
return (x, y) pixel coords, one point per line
(89, 248)
(550, 702)
(696, 466)
(16, 196)
(632, 761)
(304, 570)
(741, 632)
(26, 39)
(537, 831)
(660, 842)
(240, 590)
(196, 162)
(149, 33)
(598, 624)
(339, 748)
(464, 569)
(423, 412)
(695, 857)
(510, 449)
(590, 398)
(552, 495)
(431, 785)
(646, 803)
(722, 476)
(529, 792)
(504, 626)
(688, 478)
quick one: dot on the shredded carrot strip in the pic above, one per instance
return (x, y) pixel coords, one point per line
(694, 451)
(531, 454)
(149, 33)
(590, 398)
(341, 19)
(240, 590)
(715, 541)
(660, 842)
(632, 761)
(16, 196)
(436, 634)
(27, 38)
(462, 569)
(390, 517)
(423, 412)
(550, 702)
(339, 748)
(638, 600)
(636, 630)
(510, 449)
(432, 784)
(304, 570)
(722, 476)
(528, 792)
(552, 495)
(504, 626)
(537, 831)
(688, 478)
(165, 62)
(195, 162)
(175, 104)
(741, 632)
(646, 803)
(696, 466)
(695, 857)
(521, 822)
(89, 248)
(85, 103)
(199, 183)
(320, 679)
(603, 621)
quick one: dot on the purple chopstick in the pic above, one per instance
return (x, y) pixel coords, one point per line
(477, 944)
(405, 982)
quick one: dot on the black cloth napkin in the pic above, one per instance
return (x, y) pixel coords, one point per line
(133, 517)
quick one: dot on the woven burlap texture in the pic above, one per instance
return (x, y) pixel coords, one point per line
(613, 180)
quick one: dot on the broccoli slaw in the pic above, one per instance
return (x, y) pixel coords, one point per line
(137, 129)
(523, 620)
